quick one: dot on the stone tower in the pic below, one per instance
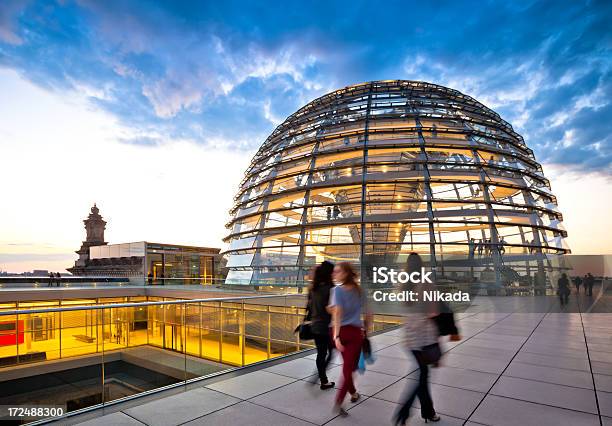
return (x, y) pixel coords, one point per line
(95, 226)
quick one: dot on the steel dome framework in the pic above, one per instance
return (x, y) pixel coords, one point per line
(374, 171)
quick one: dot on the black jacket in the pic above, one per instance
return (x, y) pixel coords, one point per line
(317, 313)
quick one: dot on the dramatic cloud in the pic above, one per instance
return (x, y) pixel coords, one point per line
(225, 73)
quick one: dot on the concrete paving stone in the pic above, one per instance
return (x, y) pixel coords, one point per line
(605, 403)
(491, 334)
(499, 411)
(538, 348)
(492, 343)
(297, 368)
(246, 413)
(375, 411)
(393, 366)
(460, 378)
(601, 347)
(395, 351)
(606, 421)
(546, 393)
(447, 400)
(553, 361)
(560, 376)
(382, 341)
(604, 340)
(603, 382)
(301, 400)
(369, 413)
(369, 383)
(600, 356)
(115, 419)
(335, 359)
(470, 362)
(181, 408)
(474, 349)
(600, 367)
(453, 401)
(249, 385)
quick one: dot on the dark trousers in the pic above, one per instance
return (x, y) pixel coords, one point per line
(351, 338)
(422, 391)
(324, 354)
(564, 297)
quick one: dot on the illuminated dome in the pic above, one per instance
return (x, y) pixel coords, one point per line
(375, 171)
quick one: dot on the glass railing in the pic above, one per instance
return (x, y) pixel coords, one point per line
(83, 356)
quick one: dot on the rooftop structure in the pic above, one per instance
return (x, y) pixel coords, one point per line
(375, 171)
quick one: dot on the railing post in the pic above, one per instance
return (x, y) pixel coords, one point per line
(242, 330)
(184, 341)
(103, 390)
(220, 331)
(269, 345)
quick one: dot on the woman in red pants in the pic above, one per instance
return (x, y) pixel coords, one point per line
(346, 305)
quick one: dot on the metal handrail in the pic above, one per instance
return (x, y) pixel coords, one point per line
(135, 304)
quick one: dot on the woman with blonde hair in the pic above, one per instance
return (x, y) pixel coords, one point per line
(346, 305)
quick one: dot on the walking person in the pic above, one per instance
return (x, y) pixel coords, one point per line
(422, 339)
(564, 289)
(58, 279)
(51, 279)
(577, 283)
(471, 248)
(588, 283)
(320, 318)
(480, 247)
(346, 305)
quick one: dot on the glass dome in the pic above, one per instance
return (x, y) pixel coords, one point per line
(375, 171)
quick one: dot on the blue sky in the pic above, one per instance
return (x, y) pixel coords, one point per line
(225, 73)
(154, 109)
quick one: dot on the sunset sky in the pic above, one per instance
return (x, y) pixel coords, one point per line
(153, 110)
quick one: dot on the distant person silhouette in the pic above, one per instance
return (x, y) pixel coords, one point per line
(577, 283)
(150, 278)
(471, 248)
(480, 248)
(501, 247)
(588, 283)
(58, 279)
(328, 213)
(564, 289)
(51, 279)
(336, 212)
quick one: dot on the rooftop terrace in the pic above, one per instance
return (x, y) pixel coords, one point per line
(509, 369)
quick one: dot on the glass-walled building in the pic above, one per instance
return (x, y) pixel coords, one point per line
(156, 263)
(375, 171)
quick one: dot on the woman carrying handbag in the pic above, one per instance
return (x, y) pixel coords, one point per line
(422, 340)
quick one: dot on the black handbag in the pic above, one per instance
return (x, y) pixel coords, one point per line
(445, 321)
(430, 354)
(305, 331)
(366, 348)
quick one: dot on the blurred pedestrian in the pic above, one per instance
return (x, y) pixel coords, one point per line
(563, 286)
(346, 305)
(577, 283)
(422, 339)
(320, 318)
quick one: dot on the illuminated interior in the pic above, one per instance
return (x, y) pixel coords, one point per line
(375, 171)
